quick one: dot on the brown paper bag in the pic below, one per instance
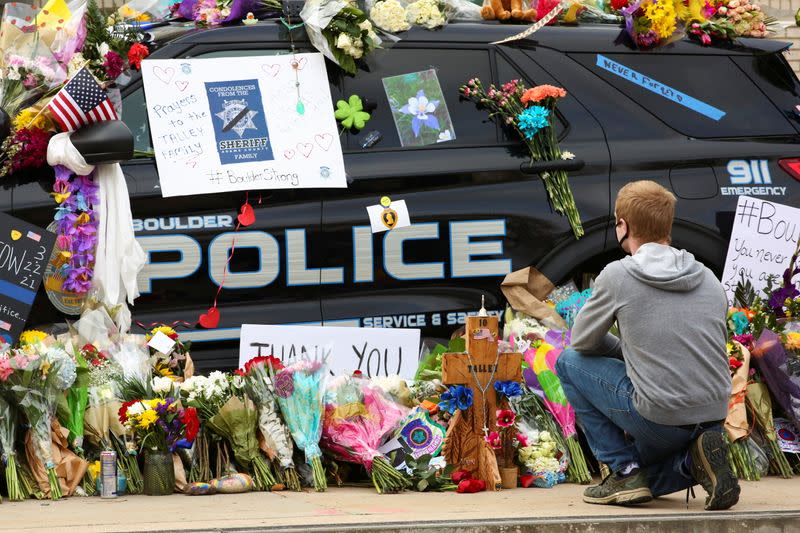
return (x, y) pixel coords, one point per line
(180, 474)
(70, 468)
(525, 291)
(736, 426)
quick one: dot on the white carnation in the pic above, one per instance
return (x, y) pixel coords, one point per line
(163, 385)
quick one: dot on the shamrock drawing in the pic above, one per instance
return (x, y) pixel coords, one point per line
(351, 114)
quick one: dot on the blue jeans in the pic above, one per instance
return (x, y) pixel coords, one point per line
(601, 393)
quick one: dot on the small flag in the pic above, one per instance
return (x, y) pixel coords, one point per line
(80, 102)
(34, 236)
(5, 325)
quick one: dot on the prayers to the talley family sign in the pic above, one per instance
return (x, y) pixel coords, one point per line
(228, 124)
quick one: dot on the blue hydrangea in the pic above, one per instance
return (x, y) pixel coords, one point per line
(532, 120)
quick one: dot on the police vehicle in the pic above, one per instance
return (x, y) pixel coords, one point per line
(709, 123)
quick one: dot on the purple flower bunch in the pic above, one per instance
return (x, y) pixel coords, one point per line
(76, 227)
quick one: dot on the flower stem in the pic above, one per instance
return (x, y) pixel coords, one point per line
(320, 482)
(292, 480)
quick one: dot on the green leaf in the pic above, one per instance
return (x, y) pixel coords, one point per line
(422, 485)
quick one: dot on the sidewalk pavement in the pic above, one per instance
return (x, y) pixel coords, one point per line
(772, 504)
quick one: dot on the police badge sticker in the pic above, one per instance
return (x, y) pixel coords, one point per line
(388, 215)
(240, 125)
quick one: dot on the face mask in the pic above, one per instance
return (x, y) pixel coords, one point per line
(622, 240)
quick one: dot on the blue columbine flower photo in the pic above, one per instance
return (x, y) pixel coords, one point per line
(422, 109)
(532, 120)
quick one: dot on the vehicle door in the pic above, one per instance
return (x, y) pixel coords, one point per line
(476, 216)
(268, 270)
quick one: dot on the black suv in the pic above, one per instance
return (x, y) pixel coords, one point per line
(709, 123)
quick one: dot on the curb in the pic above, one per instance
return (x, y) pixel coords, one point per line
(711, 522)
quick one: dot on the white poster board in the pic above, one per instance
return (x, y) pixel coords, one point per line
(763, 240)
(235, 123)
(374, 351)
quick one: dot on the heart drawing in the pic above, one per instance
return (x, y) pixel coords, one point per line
(164, 74)
(15, 235)
(305, 149)
(209, 319)
(324, 140)
(181, 84)
(288, 154)
(272, 70)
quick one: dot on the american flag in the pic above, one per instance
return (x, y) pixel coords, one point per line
(80, 102)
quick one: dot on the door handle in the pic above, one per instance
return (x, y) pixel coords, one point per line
(537, 167)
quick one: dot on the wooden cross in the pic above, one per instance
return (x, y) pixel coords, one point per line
(462, 369)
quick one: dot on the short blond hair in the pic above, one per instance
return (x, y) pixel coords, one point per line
(648, 208)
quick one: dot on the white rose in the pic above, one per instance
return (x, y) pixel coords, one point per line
(103, 49)
(365, 26)
(344, 42)
(162, 385)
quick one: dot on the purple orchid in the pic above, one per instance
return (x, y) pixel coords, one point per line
(422, 109)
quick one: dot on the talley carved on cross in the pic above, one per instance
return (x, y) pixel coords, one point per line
(479, 368)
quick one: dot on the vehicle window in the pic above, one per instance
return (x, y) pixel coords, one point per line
(453, 68)
(774, 76)
(713, 84)
(134, 114)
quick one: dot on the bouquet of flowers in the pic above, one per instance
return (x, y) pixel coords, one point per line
(531, 113)
(77, 400)
(33, 377)
(746, 18)
(521, 330)
(389, 15)
(177, 364)
(256, 373)
(216, 12)
(429, 14)
(358, 416)
(543, 360)
(299, 390)
(160, 424)
(8, 435)
(340, 30)
(230, 418)
(652, 23)
(132, 358)
(544, 463)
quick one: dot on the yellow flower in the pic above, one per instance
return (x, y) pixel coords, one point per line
(166, 330)
(44, 368)
(793, 340)
(164, 370)
(83, 218)
(60, 197)
(31, 118)
(662, 17)
(729, 346)
(94, 469)
(32, 336)
(147, 419)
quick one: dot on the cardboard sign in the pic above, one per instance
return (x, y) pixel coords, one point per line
(242, 123)
(373, 351)
(763, 240)
(24, 253)
(388, 218)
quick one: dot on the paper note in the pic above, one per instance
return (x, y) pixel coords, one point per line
(242, 123)
(161, 342)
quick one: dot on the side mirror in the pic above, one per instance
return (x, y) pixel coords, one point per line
(104, 142)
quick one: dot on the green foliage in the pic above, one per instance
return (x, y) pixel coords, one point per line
(431, 366)
(426, 478)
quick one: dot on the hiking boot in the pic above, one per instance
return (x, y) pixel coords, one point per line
(710, 468)
(618, 490)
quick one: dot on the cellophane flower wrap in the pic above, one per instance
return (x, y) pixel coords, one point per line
(256, 374)
(8, 435)
(299, 390)
(178, 364)
(33, 377)
(531, 113)
(358, 417)
(542, 359)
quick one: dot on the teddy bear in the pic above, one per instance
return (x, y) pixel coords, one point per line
(507, 9)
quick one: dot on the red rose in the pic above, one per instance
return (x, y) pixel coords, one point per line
(136, 53)
(460, 475)
(619, 4)
(735, 363)
(470, 486)
(192, 423)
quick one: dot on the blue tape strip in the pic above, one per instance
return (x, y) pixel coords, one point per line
(659, 88)
(16, 292)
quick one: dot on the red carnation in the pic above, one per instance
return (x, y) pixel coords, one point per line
(735, 363)
(136, 53)
(619, 4)
(470, 486)
(123, 411)
(527, 480)
(192, 423)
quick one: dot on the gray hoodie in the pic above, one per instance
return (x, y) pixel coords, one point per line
(671, 315)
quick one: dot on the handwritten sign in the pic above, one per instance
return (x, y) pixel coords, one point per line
(373, 351)
(24, 253)
(242, 123)
(763, 240)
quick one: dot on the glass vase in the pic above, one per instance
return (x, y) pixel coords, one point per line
(159, 473)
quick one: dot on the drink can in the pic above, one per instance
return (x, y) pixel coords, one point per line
(108, 474)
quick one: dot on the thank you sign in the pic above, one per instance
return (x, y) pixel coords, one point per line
(24, 253)
(373, 351)
(227, 124)
(763, 240)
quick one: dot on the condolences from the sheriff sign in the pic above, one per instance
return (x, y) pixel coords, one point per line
(763, 240)
(243, 123)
